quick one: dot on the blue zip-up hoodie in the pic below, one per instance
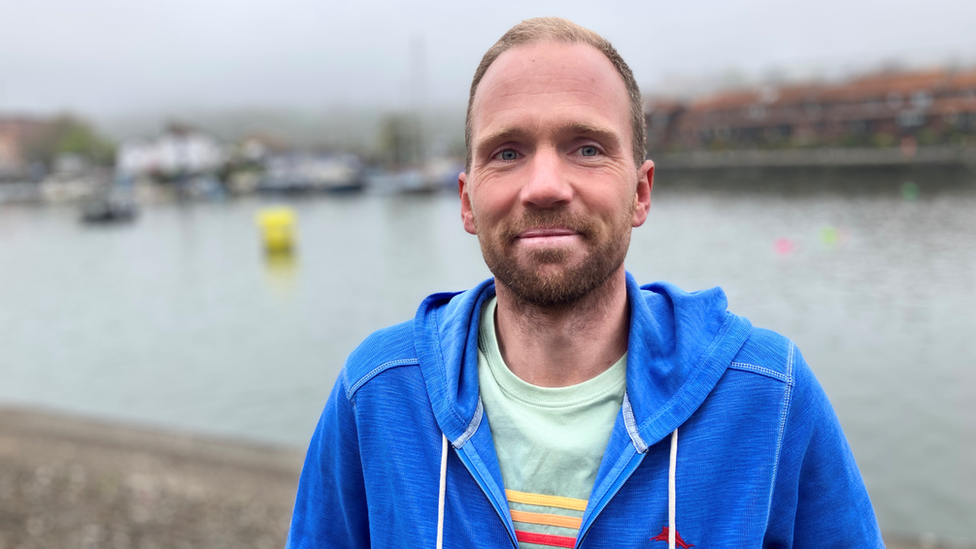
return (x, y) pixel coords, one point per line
(762, 461)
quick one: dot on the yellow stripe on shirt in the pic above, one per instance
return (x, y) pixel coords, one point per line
(546, 519)
(548, 501)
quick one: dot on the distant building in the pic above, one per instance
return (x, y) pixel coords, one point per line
(178, 151)
(661, 116)
(16, 133)
(928, 107)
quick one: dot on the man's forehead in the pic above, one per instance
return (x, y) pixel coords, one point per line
(553, 53)
(545, 67)
(543, 59)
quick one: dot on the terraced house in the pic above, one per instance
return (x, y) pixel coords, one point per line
(934, 107)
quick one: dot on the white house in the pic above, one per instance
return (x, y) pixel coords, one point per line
(179, 150)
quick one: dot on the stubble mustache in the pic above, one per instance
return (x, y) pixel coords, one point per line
(547, 219)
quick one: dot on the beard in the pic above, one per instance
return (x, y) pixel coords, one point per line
(540, 277)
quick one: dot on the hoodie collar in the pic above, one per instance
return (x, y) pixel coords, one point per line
(446, 339)
(679, 346)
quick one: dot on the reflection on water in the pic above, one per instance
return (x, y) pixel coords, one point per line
(281, 270)
(178, 319)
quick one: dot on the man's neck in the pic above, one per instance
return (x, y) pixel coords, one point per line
(568, 345)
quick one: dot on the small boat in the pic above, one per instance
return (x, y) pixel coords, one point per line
(307, 172)
(108, 211)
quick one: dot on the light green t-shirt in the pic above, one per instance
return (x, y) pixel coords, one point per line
(549, 441)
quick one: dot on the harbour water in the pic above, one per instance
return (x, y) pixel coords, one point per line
(178, 320)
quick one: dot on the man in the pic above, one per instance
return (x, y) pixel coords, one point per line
(543, 408)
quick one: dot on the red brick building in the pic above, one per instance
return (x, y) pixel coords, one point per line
(16, 134)
(929, 107)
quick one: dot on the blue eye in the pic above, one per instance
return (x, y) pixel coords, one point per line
(508, 154)
(588, 150)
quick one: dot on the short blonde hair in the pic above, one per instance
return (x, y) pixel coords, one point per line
(555, 29)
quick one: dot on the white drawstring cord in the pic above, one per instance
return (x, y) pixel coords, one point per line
(440, 497)
(672, 493)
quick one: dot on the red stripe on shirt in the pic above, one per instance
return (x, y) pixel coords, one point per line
(545, 539)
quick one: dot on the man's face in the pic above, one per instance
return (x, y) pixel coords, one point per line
(553, 191)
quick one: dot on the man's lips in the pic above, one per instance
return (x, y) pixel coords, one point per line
(547, 232)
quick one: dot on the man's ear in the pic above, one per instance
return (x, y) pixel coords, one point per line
(642, 197)
(467, 216)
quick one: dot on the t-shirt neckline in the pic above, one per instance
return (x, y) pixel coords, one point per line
(578, 395)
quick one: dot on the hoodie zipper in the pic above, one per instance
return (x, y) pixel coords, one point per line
(618, 484)
(481, 484)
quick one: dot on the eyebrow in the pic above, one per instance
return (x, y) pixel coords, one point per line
(607, 136)
(502, 135)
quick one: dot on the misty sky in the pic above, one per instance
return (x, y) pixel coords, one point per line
(110, 57)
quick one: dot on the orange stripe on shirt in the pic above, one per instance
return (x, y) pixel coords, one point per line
(548, 501)
(546, 519)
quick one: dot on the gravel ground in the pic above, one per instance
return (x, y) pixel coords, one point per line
(67, 483)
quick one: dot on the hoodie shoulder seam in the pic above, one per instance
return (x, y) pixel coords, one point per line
(376, 371)
(761, 370)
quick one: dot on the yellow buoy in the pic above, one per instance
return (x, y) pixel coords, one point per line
(277, 229)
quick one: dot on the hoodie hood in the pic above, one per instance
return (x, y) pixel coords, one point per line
(679, 347)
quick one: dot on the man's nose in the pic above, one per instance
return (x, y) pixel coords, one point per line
(547, 184)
